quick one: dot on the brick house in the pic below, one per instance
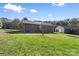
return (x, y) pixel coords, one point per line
(36, 27)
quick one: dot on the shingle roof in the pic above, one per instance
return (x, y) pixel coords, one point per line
(67, 27)
(39, 23)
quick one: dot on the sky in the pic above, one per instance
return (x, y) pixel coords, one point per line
(40, 11)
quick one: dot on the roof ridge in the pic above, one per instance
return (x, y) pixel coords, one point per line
(31, 22)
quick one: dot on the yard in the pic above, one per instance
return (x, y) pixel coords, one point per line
(21, 44)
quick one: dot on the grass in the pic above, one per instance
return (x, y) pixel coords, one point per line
(37, 45)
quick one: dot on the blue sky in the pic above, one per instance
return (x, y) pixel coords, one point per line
(39, 11)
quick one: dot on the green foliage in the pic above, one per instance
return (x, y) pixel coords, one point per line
(69, 22)
(16, 24)
(65, 22)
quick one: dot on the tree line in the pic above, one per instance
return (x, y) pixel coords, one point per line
(16, 23)
(9, 23)
(65, 22)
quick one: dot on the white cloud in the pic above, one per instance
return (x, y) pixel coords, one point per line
(33, 11)
(12, 7)
(49, 15)
(59, 4)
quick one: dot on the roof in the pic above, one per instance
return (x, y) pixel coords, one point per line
(39, 23)
(70, 27)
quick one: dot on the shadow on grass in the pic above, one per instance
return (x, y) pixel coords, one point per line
(20, 32)
(74, 36)
(14, 32)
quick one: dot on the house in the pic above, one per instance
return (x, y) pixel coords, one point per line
(60, 29)
(68, 29)
(36, 27)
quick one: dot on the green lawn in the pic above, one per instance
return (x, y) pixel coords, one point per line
(37, 45)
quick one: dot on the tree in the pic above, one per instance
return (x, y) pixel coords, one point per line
(4, 21)
(68, 22)
(16, 23)
(41, 28)
(24, 19)
(74, 21)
